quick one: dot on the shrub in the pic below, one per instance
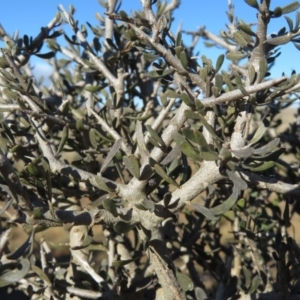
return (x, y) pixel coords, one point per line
(166, 149)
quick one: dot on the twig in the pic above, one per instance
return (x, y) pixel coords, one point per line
(84, 293)
(169, 57)
(85, 265)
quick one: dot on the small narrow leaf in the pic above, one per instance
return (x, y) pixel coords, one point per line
(290, 7)
(208, 154)
(156, 137)
(247, 275)
(227, 204)
(263, 167)
(279, 40)
(110, 206)
(101, 184)
(183, 59)
(145, 205)
(64, 137)
(238, 182)
(290, 22)
(150, 57)
(240, 85)
(47, 55)
(178, 39)
(252, 3)
(12, 273)
(192, 115)
(93, 88)
(189, 150)
(263, 68)
(171, 155)
(171, 94)
(123, 227)
(268, 147)
(219, 63)
(204, 211)
(113, 151)
(261, 130)
(92, 137)
(132, 165)
(235, 55)
(161, 172)
(243, 153)
(187, 100)
(238, 37)
(251, 74)
(185, 282)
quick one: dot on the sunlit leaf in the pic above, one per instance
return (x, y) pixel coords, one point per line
(111, 154)
(132, 164)
(14, 272)
(185, 282)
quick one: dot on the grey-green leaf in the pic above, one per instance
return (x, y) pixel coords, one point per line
(238, 182)
(208, 154)
(238, 37)
(235, 55)
(171, 94)
(185, 282)
(183, 59)
(261, 130)
(252, 3)
(171, 155)
(268, 147)
(290, 7)
(123, 227)
(132, 164)
(227, 204)
(101, 184)
(150, 57)
(161, 172)
(187, 100)
(243, 153)
(113, 151)
(145, 205)
(110, 206)
(12, 273)
(280, 40)
(64, 137)
(189, 150)
(92, 137)
(220, 61)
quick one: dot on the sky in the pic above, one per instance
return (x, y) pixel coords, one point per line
(29, 16)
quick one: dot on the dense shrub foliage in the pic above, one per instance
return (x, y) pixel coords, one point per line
(179, 159)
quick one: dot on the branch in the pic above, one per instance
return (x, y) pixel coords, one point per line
(271, 184)
(237, 94)
(116, 82)
(84, 293)
(208, 174)
(169, 57)
(59, 167)
(202, 32)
